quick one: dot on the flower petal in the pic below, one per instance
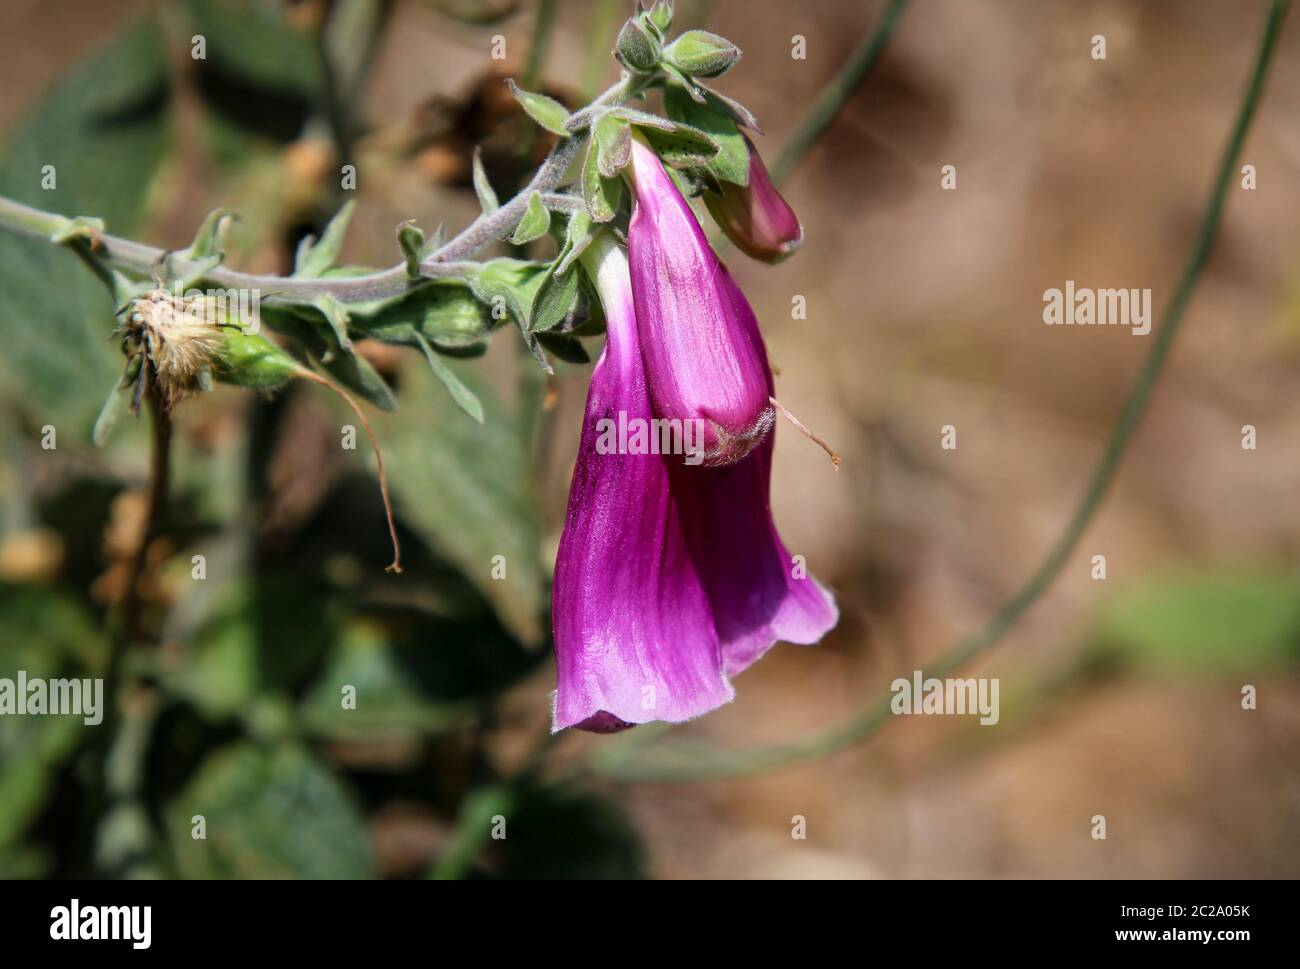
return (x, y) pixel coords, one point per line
(757, 593)
(755, 216)
(696, 328)
(634, 636)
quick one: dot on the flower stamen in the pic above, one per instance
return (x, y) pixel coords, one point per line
(802, 429)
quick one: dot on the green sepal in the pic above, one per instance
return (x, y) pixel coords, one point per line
(251, 360)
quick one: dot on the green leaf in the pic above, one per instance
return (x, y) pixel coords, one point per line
(356, 373)
(547, 112)
(556, 298)
(465, 398)
(565, 347)
(445, 313)
(410, 240)
(731, 163)
(254, 639)
(269, 813)
(114, 406)
(487, 199)
(536, 220)
(511, 284)
(390, 704)
(208, 240)
(48, 635)
(352, 371)
(314, 257)
(336, 316)
(614, 143)
(683, 147)
(577, 236)
(601, 194)
(103, 128)
(722, 104)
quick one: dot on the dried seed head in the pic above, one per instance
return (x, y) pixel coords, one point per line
(178, 335)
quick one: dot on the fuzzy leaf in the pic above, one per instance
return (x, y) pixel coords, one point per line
(536, 220)
(547, 112)
(511, 283)
(731, 163)
(555, 300)
(614, 144)
(465, 398)
(316, 257)
(601, 194)
(722, 104)
(683, 147)
(336, 315)
(577, 236)
(565, 347)
(447, 314)
(114, 406)
(208, 240)
(487, 198)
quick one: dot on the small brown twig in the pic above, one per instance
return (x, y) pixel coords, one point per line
(396, 564)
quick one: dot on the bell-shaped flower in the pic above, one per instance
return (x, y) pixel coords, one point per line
(755, 216)
(634, 634)
(670, 577)
(699, 338)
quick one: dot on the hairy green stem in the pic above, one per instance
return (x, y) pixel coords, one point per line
(447, 262)
(690, 762)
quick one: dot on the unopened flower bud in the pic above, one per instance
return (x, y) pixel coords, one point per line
(755, 216)
(701, 54)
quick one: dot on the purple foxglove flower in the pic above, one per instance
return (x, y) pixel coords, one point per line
(670, 578)
(703, 354)
(755, 216)
(634, 635)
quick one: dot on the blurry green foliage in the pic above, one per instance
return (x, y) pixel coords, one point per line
(47, 635)
(1213, 622)
(103, 126)
(466, 488)
(269, 813)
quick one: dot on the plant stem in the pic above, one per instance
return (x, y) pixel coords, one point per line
(159, 481)
(693, 763)
(543, 21)
(448, 261)
(837, 91)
